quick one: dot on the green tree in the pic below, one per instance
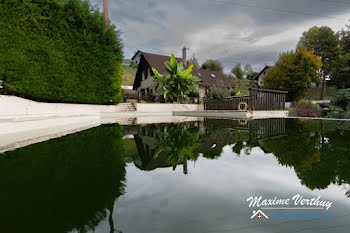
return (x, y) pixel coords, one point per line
(213, 65)
(248, 68)
(294, 71)
(343, 69)
(325, 43)
(178, 83)
(237, 71)
(249, 72)
(59, 51)
(193, 61)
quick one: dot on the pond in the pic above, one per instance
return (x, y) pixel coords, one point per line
(195, 176)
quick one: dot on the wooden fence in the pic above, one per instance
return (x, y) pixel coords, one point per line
(230, 103)
(266, 99)
(258, 99)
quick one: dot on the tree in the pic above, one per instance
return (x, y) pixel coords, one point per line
(343, 69)
(294, 72)
(251, 75)
(325, 43)
(59, 51)
(178, 84)
(213, 65)
(248, 69)
(237, 71)
(193, 61)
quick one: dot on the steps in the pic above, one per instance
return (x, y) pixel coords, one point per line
(125, 107)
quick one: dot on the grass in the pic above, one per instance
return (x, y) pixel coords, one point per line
(315, 93)
(244, 85)
(128, 76)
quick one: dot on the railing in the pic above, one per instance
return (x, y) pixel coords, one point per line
(266, 99)
(130, 94)
(258, 129)
(258, 99)
(231, 103)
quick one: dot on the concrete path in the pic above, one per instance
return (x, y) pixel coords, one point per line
(15, 134)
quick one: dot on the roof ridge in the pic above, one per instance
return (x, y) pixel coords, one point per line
(158, 54)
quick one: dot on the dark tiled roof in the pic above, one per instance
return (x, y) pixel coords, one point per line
(208, 77)
(213, 78)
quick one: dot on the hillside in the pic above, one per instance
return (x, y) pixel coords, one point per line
(128, 75)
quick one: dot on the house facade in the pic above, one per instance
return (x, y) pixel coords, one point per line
(143, 83)
(261, 75)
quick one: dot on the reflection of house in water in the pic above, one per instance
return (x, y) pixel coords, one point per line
(166, 145)
(157, 145)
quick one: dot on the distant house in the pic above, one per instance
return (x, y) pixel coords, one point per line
(261, 75)
(127, 62)
(146, 61)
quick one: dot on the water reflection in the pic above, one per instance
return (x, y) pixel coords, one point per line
(166, 145)
(318, 151)
(73, 183)
(65, 184)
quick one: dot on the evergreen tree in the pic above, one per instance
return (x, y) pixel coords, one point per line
(325, 43)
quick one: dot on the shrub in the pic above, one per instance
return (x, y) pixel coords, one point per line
(218, 93)
(305, 108)
(59, 51)
(342, 98)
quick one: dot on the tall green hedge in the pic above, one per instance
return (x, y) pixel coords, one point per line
(59, 51)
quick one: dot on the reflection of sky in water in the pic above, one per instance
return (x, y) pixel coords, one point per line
(212, 197)
(72, 183)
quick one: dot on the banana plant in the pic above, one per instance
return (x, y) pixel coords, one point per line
(177, 84)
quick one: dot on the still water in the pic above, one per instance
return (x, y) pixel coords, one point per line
(184, 177)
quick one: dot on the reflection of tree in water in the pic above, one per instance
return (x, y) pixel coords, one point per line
(243, 135)
(166, 145)
(318, 151)
(216, 137)
(68, 183)
(163, 145)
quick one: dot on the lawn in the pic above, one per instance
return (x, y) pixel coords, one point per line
(128, 75)
(315, 93)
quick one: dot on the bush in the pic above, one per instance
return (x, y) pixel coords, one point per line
(59, 51)
(218, 93)
(305, 108)
(342, 98)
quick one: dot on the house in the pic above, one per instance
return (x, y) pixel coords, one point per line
(127, 62)
(147, 61)
(261, 75)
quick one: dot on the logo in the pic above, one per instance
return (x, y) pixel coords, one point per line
(259, 214)
(294, 208)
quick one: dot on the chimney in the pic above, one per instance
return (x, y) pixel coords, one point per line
(184, 59)
(105, 7)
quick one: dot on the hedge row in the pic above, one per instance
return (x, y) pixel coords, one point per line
(59, 51)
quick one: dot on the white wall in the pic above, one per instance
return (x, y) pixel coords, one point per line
(12, 106)
(16, 107)
(201, 91)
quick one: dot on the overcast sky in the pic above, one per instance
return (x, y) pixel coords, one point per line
(232, 31)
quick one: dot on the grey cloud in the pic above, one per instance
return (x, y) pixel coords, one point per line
(250, 31)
